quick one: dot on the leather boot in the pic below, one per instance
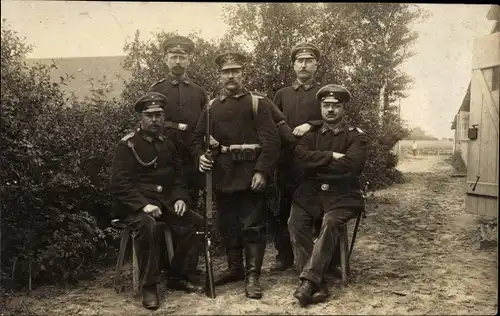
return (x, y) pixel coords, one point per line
(321, 295)
(150, 299)
(281, 265)
(254, 255)
(305, 292)
(235, 271)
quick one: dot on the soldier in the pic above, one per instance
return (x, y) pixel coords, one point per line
(332, 158)
(146, 184)
(247, 145)
(302, 111)
(185, 102)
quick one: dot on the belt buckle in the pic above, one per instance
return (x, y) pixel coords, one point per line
(159, 188)
(182, 126)
(325, 187)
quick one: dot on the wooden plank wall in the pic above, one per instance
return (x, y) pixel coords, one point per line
(483, 152)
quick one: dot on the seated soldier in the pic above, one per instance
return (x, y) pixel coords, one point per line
(146, 185)
(332, 158)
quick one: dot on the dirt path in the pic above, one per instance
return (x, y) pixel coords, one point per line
(416, 253)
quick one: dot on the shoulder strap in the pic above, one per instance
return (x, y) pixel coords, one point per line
(128, 136)
(255, 105)
(157, 82)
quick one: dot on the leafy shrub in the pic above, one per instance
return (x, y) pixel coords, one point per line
(55, 156)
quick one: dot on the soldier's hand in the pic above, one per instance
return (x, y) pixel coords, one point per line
(180, 207)
(301, 129)
(152, 210)
(258, 181)
(205, 163)
(337, 155)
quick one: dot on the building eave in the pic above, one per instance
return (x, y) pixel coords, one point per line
(493, 13)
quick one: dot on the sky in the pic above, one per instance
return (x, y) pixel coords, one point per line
(441, 67)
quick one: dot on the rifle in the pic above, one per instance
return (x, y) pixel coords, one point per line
(209, 285)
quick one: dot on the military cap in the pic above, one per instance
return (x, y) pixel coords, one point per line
(304, 50)
(150, 102)
(179, 44)
(230, 60)
(333, 93)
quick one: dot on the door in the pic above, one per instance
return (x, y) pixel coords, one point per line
(482, 166)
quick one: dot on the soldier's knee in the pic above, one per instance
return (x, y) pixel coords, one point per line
(330, 220)
(147, 223)
(294, 221)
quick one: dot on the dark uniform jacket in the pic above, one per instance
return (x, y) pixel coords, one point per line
(298, 103)
(232, 122)
(134, 185)
(333, 183)
(184, 105)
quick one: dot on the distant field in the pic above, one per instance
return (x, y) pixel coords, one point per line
(428, 144)
(428, 147)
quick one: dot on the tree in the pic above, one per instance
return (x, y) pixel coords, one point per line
(362, 47)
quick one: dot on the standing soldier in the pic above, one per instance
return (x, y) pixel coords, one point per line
(302, 111)
(332, 158)
(246, 146)
(185, 103)
(146, 184)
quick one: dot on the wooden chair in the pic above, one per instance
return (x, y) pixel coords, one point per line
(345, 249)
(126, 234)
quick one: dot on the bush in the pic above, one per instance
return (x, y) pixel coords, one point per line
(55, 156)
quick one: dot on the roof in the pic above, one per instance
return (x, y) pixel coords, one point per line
(493, 13)
(86, 68)
(464, 107)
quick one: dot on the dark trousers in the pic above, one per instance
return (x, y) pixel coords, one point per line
(281, 234)
(287, 184)
(147, 245)
(193, 187)
(241, 223)
(312, 258)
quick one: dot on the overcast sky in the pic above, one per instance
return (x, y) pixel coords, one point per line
(441, 67)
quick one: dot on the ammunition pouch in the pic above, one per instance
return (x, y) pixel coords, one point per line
(245, 152)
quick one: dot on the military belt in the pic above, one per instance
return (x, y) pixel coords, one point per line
(326, 186)
(151, 187)
(178, 126)
(242, 151)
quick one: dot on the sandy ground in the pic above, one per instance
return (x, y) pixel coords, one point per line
(416, 253)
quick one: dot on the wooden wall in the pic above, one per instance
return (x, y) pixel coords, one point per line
(482, 194)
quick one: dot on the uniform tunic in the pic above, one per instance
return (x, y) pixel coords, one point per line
(334, 181)
(152, 175)
(133, 185)
(232, 122)
(184, 105)
(298, 103)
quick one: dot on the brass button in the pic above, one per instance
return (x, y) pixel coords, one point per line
(182, 126)
(325, 187)
(159, 188)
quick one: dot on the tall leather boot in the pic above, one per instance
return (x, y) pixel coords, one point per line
(254, 255)
(235, 271)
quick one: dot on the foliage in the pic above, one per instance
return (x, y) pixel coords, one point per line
(54, 171)
(56, 150)
(362, 47)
